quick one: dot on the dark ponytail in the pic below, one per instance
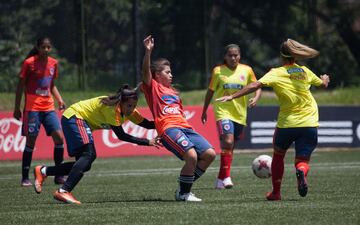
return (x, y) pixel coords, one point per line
(122, 95)
(34, 50)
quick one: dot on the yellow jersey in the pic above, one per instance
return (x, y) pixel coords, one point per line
(225, 81)
(100, 116)
(291, 84)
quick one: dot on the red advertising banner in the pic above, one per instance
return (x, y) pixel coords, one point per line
(106, 143)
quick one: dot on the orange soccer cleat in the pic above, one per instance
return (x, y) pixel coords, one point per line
(39, 179)
(66, 197)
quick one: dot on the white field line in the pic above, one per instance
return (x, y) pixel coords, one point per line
(161, 171)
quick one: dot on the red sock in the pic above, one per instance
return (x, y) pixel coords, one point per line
(302, 165)
(277, 171)
(225, 165)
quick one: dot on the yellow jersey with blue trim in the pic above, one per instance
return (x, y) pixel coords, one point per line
(225, 81)
(99, 115)
(291, 84)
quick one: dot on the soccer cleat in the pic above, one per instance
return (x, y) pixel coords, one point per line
(302, 184)
(271, 197)
(66, 197)
(26, 183)
(39, 179)
(59, 179)
(219, 184)
(228, 183)
(188, 197)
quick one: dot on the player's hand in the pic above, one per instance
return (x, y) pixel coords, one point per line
(224, 99)
(17, 114)
(252, 102)
(326, 79)
(61, 105)
(204, 117)
(149, 43)
(156, 142)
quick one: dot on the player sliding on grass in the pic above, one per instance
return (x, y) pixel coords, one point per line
(104, 112)
(298, 118)
(176, 133)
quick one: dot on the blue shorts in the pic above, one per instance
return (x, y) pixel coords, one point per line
(77, 134)
(305, 138)
(229, 127)
(180, 140)
(33, 119)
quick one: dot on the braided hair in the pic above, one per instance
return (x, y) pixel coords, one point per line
(122, 95)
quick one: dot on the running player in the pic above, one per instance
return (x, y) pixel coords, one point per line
(37, 76)
(176, 133)
(78, 122)
(226, 79)
(298, 117)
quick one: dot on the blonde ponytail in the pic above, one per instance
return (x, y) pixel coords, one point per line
(293, 49)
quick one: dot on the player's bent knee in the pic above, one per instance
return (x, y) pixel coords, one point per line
(209, 155)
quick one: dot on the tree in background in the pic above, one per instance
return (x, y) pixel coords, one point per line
(192, 34)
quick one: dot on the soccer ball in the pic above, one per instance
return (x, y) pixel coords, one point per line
(261, 166)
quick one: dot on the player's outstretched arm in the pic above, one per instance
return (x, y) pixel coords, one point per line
(146, 72)
(250, 88)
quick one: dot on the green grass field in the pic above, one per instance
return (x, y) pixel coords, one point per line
(140, 190)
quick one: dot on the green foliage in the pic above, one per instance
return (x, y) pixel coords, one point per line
(191, 34)
(140, 190)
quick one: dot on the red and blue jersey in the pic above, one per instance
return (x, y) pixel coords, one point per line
(165, 106)
(39, 78)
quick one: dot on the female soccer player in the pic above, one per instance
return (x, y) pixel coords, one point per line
(226, 79)
(104, 112)
(298, 117)
(37, 76)
(176, 133)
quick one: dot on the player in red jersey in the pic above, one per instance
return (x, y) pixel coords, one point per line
(37, 83)
(176, 133)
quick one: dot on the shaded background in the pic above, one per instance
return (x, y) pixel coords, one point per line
(99, 43)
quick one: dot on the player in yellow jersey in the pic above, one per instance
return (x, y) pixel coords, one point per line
(298, 117)
(226, 79)
(78, 122)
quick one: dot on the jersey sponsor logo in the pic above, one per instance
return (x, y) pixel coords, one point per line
(242, 77)
(296, 73)
(171, 110)
(41, 92)
(232, 86)
(298, 76)
(169, 99)
(295, 70)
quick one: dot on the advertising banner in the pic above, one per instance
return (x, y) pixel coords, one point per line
(339, 127)
(106, 142)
